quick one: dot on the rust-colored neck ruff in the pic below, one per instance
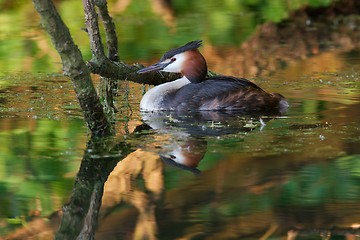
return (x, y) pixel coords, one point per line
(194, 68)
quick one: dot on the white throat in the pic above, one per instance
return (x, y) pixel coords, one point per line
(152, 100)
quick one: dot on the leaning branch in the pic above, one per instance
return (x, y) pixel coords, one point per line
(74, 67)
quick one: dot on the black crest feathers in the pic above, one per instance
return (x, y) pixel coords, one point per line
(189, 46)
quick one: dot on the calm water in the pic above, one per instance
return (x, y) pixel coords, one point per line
(245, 179)
(238, 178)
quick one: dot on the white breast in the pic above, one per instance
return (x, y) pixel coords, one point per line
(152, 100)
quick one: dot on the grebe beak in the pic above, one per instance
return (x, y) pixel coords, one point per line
(155, 67)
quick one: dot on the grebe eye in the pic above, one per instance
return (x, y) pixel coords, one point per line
(173, 59)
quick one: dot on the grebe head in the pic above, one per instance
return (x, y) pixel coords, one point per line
(186, 60)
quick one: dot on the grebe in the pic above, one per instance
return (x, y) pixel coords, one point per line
(196, 92)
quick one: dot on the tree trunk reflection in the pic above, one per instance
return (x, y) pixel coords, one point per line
(81, 213)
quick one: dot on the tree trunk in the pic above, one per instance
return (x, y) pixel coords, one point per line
(75, 68)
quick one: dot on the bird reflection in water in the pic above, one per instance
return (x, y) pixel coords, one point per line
(186, 143)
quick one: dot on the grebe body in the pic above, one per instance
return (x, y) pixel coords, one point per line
(196, 92)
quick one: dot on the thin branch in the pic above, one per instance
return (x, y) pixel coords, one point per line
(92, 26)
(110, 30)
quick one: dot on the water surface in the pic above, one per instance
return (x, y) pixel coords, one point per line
(238, 178)
(300, 170)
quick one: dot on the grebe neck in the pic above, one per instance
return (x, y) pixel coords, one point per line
(153, 99)
(194, 67)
